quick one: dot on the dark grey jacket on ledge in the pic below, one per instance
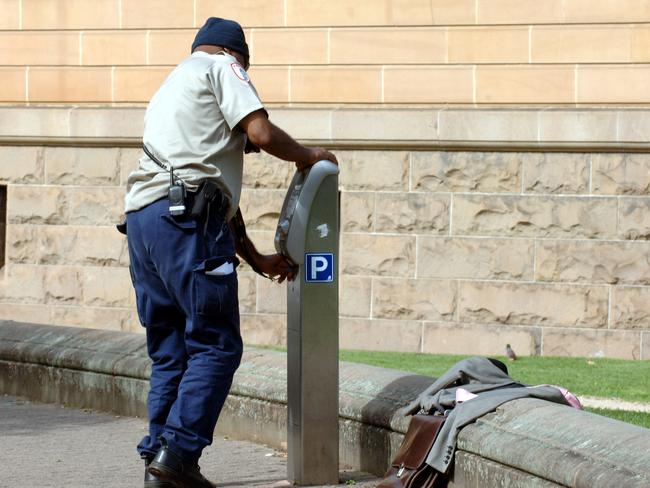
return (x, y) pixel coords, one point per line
(480, 376)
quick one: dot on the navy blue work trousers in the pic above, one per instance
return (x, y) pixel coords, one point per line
(187, 301)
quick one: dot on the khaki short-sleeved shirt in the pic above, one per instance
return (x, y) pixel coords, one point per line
(191, 124)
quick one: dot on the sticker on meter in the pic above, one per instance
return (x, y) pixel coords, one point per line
(319, 267)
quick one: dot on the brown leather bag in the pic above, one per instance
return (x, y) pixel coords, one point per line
(409, 469)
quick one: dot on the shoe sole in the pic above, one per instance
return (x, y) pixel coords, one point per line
(166, 475)
(158, 484)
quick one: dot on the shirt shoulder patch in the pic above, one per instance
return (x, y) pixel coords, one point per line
(240, 72)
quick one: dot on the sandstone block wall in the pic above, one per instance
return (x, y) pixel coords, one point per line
(467, 251)
(441, 251)
(65, 262)
(337, 51)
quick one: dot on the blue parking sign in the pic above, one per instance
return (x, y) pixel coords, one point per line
(319, 267)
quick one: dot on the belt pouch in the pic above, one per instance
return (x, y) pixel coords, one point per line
(208, 192)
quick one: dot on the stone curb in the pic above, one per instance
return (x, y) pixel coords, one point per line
(524, 443)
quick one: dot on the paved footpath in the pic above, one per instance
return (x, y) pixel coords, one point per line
(50, 446)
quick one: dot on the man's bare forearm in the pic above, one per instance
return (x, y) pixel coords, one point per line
(283, 146)
(273, 140)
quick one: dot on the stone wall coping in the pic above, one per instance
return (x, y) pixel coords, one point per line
(262, 373)
(551, 442)
(533, 128)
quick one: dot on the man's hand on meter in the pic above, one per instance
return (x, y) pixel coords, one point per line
(316, 154)
(276, 266)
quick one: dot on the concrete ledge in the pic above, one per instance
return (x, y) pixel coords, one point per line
(525, 443)
(562, 129)
(563, 445)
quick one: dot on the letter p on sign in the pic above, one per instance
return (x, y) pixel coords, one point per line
(319, 267)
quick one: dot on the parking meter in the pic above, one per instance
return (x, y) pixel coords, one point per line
(308, 235)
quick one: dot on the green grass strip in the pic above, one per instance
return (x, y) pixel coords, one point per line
(641, 419)
(597, 377)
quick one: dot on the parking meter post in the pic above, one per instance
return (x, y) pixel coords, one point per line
(312, 342)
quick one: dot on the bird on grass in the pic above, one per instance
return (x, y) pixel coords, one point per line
(510, 353)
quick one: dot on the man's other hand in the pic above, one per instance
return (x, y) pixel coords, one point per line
(276, 266)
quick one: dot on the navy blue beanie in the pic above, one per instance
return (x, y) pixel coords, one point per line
(222, 32)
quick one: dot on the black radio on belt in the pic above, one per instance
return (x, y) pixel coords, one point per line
(176, 193)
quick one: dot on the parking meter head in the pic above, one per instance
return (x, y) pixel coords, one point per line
(291, 231)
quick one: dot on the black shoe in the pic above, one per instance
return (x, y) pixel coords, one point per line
(151, 481)
(169, 467)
